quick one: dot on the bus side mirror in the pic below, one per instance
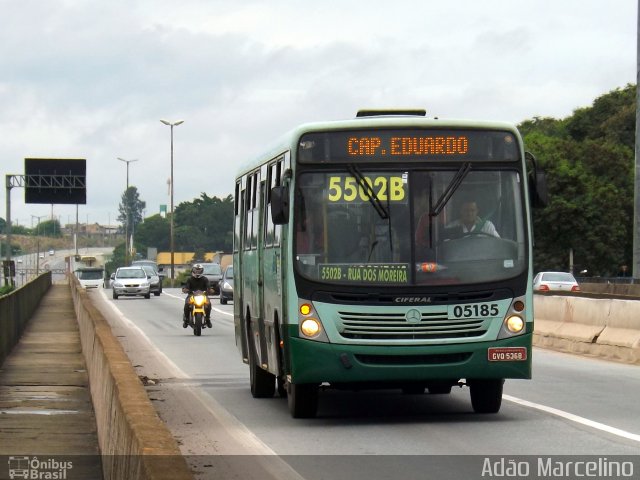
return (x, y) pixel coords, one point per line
(538, 192)
(280, 205)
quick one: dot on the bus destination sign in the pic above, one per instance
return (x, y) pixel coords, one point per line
(370, 273)
(408, 145)
(383, 145)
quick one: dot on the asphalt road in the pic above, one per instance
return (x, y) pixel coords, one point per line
(29, 264)
(573, 406)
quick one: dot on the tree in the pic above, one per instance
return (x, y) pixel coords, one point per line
(203, 225)
(211, 222)
(130, 209)
(588, 158)
(155, 232)
(50, 228)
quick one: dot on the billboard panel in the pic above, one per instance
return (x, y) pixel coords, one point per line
(54, 181)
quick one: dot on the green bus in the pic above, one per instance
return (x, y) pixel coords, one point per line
(387, 251)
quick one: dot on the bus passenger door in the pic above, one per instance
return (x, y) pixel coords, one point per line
(272, 270)
(239, 227)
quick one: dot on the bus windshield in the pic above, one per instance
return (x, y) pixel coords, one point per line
(90, 274)
(368, 226)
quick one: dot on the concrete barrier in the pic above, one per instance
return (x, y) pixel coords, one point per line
(134, 442)
(621, 289)
(607, 328)
(16, 309)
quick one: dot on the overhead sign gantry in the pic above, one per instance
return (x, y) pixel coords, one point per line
(46, 181)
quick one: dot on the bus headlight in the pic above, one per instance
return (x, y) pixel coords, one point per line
(310, 327)
(514, 324)
(309, 323)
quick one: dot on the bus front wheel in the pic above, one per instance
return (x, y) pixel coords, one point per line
(303, 400)
(486, 395)
(263, 383)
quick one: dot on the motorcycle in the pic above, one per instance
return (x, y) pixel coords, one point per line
(197, 302)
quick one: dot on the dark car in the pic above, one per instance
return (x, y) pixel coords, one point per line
(155, 281)
(154, 265)
(214, 273)
(226, 285)
(139, 263)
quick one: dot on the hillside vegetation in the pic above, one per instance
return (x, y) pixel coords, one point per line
(589, 161)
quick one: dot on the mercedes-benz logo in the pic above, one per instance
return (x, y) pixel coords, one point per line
(413, 316)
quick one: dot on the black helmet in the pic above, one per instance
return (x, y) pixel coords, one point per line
(197, 270)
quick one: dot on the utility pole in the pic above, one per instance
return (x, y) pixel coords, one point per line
(126, 206)
(635, 270)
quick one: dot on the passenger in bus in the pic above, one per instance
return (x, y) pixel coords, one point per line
(470, 223)
(422, 231)
(309, 235)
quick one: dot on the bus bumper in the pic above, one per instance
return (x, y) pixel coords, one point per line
(317, 362)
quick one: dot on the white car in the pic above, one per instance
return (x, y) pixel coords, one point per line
(555, 281)
(131, 281)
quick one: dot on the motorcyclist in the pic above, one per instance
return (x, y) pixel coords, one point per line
(197, 281)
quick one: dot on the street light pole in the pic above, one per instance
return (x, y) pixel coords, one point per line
(126, 227)
(171, 125)
(37, 241)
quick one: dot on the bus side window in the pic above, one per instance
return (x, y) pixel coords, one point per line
(277, 181)
(248, 213)
(236, 218)
(268, 223)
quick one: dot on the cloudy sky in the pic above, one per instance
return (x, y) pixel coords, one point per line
(92, 78)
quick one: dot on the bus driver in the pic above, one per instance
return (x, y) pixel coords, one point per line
(470, 223)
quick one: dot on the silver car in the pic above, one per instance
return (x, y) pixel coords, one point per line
(555, 281)
(131, 281)
(226, 285)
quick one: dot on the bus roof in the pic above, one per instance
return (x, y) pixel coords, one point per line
(288, 141)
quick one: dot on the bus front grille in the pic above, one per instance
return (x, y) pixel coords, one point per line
(394, 326)
(439, 359)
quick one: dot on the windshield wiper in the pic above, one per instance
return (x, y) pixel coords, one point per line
(368, 190)
(434, 210)
(383, 211)
(450, 190)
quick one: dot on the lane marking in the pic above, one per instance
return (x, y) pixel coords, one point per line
(174, 369)
(575, 418)
(238, 430)
(212, 307)
(230, 420)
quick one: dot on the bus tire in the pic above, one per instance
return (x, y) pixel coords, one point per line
(197, 324)
(263, 383)
(486, 395)
(303, 400)
(281, 387)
